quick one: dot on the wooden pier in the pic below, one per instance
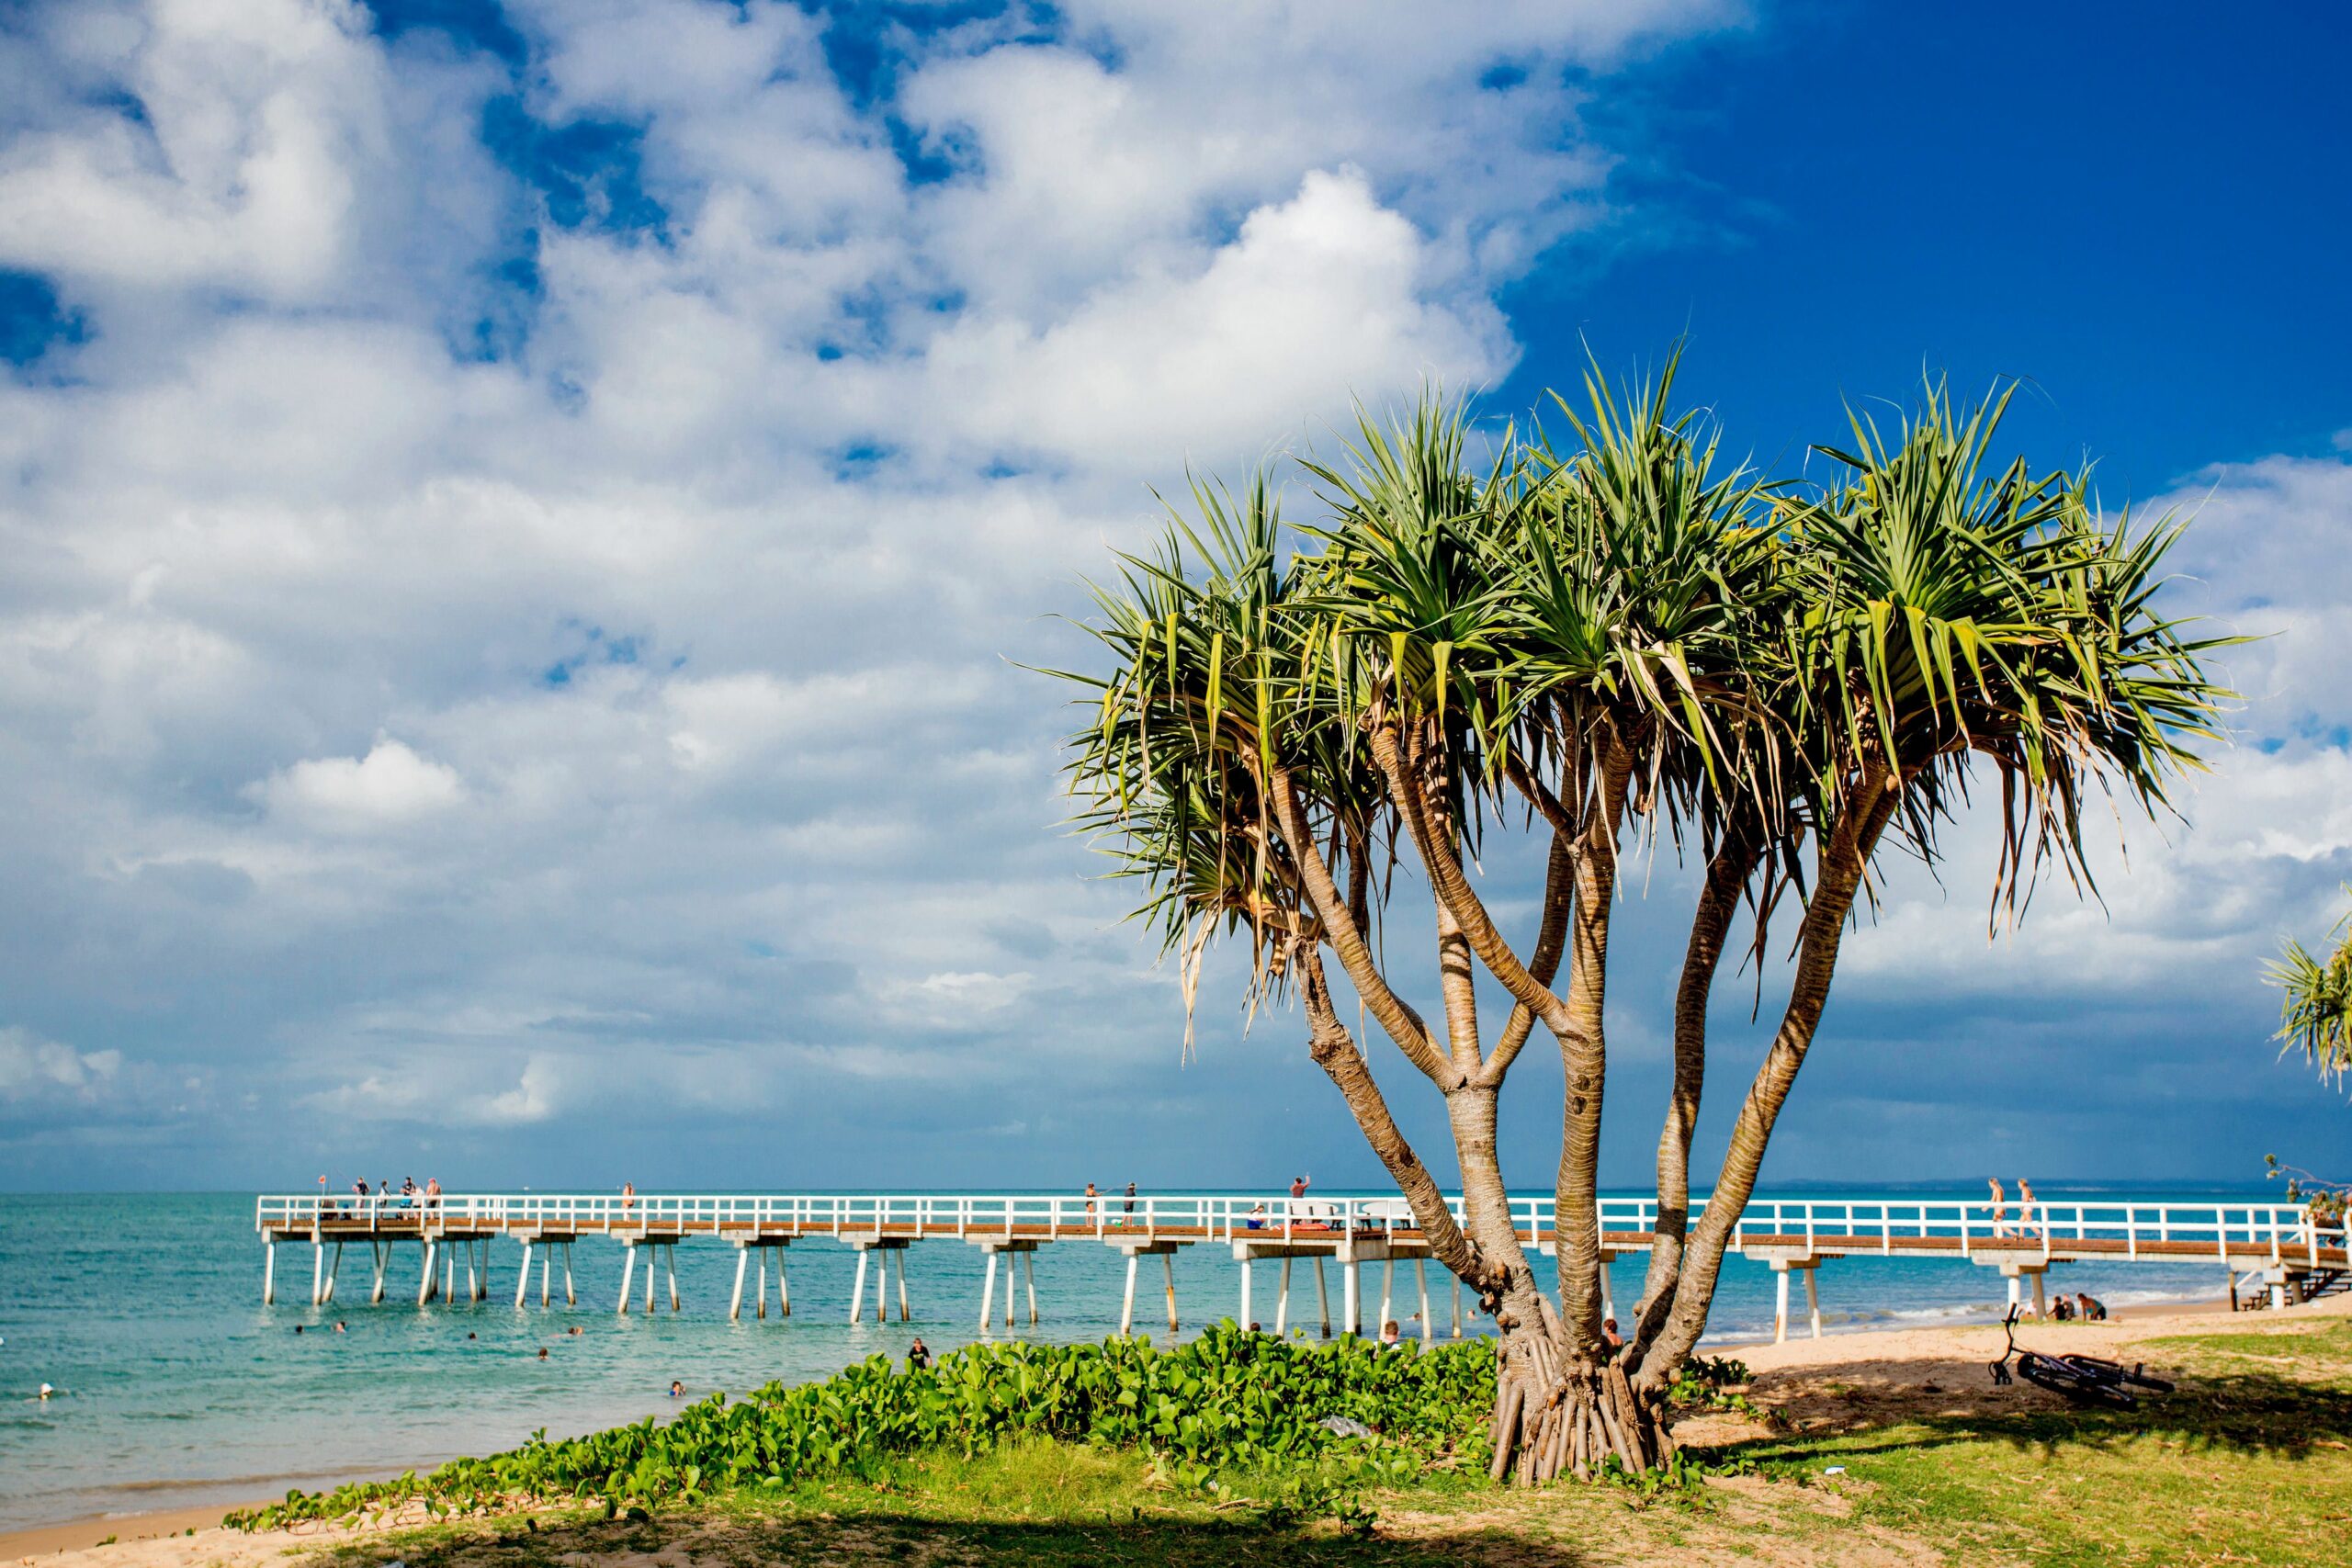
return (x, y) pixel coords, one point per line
(2275, 1248)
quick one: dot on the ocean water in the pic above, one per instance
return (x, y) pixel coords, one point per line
(179, 1388)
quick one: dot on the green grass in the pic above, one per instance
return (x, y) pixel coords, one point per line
(2250, 1461)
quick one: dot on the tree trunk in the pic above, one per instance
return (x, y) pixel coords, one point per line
(1584, 1059)
(1839, 868)
(1727, 872)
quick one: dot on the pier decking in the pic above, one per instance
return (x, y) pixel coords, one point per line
(2274, 1245)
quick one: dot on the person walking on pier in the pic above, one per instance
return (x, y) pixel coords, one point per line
(2000, 1206)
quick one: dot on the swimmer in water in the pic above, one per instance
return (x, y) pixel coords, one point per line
(677, 1389)
(543, 1352)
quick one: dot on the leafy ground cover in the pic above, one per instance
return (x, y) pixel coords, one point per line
(2250, 1461)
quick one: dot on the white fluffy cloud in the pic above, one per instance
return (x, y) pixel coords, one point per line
(390, 784)
(33, 1070)
(511, 590)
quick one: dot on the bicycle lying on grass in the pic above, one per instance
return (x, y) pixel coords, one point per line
(2084, 1379)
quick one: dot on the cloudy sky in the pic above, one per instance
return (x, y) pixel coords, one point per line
(521, 524)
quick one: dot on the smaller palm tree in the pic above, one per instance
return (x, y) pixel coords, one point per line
(2316, 1016)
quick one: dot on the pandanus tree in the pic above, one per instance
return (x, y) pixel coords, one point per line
(1561, 650)
(2315, 1014)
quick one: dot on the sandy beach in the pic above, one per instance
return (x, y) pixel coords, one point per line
(1837, 1382)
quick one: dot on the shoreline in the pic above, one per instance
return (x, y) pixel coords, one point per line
(87, 1532)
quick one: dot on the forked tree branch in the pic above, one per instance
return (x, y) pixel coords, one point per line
(1544, 963)
(1397, 1018)
(1334, 1050)
(1461, 900)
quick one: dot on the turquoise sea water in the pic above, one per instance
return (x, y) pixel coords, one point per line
(179, 1388)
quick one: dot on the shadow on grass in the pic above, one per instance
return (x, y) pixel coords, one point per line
(873, 1533)
(2233, 1413)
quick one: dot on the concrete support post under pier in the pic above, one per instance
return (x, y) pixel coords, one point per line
(269, 1271)
(1782, 1264)
(1421, 1283)
(1136, 1248)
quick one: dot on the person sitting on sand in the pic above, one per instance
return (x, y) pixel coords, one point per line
(2000, 1206)
(2062, 1309)
(918, 1356)
(2091, 1309)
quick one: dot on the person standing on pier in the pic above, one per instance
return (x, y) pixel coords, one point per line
(432, 1194)
(1130, 1206)
(2025, 1207)
(1089, 1202)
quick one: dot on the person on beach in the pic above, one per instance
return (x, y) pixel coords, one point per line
(2063, 1309)
(918, 1356)
(1609, 1332)
(2025, 1207)
(2000, 1206)
(2090, 1308)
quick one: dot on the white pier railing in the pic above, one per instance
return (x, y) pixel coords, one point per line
(2131, 1230)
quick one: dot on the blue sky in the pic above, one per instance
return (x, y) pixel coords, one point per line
(521, 524)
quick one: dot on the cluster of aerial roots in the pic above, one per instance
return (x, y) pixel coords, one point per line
(1573, 1427)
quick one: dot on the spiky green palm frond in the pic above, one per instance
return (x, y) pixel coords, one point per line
(2315, 1015)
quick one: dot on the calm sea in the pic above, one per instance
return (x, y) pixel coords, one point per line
(179, 1388)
